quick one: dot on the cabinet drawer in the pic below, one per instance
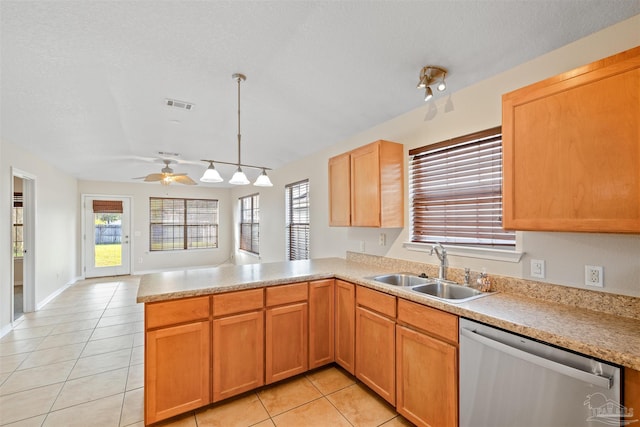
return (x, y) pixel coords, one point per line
(377, 301)
(429, 319)
(237, 302)
(286, 294)
(166, 313)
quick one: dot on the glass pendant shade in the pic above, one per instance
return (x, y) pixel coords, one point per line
(211, 175)
(239, 178)
(263, 180)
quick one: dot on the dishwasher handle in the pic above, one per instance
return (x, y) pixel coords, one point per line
(563, 369)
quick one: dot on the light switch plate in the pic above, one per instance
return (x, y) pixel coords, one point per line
(537, 268)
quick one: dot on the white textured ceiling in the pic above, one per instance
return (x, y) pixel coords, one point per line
(82, 83)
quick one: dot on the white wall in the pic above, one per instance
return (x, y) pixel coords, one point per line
(55, 228)
(142, 259)
(461, 112)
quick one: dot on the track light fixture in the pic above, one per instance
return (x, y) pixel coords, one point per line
(429, 75)
(238, 178)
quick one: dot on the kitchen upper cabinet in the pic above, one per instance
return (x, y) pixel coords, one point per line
(340, 191)
(286, 320)
(366, 186)
(321, 322)
(345, 318)
(375, 342)
(427, 365)
(177, 357)
(571, 150)
(238, 342)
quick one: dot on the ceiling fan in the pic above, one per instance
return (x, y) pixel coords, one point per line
(167, 176)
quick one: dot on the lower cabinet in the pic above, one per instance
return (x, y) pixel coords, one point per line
(632, 390)
(238, 343)
(321, 323)
(375, 342)
(345, 329)
(177, 358)
(427, 365)
(286, 332)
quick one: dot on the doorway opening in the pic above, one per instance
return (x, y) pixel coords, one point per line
(22, 244)
(106, 237)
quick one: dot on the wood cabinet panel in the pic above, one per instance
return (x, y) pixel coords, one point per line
(286, 341)
(177, 370)
(286, 294)
(345, 320)
(431, 320)
(321, 322)
(632, 390)
(366, 186)
(340, 191)
(375, 353)
(427, 376)
(571, 150)
(238, 354)
(377, 301)
(238, 302)
(158, 314)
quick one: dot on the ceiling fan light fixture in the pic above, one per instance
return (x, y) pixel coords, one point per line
(239, 178)
(263, 180)
(211, 174)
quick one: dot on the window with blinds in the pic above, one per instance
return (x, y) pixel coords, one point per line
(181, 224)
(250, 223)
(297, 221)
(456, 191)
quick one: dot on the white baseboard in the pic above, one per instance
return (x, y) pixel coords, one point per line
(53, 295)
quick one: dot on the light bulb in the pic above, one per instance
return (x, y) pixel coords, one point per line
(428, 94)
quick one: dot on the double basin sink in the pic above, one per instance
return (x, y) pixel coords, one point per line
(438, 288)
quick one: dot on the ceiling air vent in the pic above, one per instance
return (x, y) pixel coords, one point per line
(183, 105)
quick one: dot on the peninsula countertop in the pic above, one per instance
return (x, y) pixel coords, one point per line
(608, 337)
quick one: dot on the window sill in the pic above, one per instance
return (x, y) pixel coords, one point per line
(470, 252)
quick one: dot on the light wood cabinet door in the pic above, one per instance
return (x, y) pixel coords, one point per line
(427, 376)
(571, 150)
(286, 341)
(177, 370)
(340, 191)
(321, 322)
(375, 353)
(238, 354)
(366, 186)
(345, 317)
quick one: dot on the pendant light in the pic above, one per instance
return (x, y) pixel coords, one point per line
(238, 178)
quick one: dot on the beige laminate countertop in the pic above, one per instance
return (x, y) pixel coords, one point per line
(612, 338)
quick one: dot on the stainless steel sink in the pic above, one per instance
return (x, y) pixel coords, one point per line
(449, 291)
(401, 279)
(436, 288)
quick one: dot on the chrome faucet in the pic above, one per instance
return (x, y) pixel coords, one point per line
(442, 256)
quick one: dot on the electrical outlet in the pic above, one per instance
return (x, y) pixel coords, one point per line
(594, 275)
(537, 268)
(362, 246)
(382, 240)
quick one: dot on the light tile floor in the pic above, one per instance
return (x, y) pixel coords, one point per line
(79, 362)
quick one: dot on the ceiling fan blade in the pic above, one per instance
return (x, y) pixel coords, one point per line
(179, 174)
(183, 179)
(152, 177)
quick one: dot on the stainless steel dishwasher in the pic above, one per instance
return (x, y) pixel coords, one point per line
(512, 381)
